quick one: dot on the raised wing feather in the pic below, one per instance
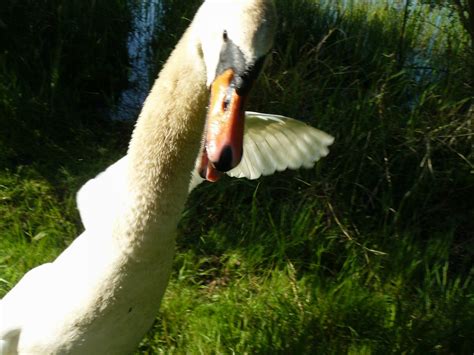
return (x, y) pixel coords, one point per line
(275, 143)
(271, 143)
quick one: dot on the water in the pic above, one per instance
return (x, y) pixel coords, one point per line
(146, 19)
(146, 16)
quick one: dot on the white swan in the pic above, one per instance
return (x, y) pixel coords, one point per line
(271, 143)
(100, 296)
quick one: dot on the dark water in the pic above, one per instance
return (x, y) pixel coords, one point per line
(148, 13)
(146, 17)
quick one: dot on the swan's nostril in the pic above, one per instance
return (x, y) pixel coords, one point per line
(225, 159)
(203, 172)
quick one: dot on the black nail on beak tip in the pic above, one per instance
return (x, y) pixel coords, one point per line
(225, 160)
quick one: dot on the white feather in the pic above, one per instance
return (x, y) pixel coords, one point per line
(275, 143)
(271, 143)
(101, 294)
(99, 198)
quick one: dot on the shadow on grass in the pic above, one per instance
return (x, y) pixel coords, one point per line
(394, 182)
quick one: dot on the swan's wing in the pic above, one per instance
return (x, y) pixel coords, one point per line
(99, 198)
(275, 143)
(271, 143)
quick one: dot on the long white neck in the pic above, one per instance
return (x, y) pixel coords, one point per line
(163, 150)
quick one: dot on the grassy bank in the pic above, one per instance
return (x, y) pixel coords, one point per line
(369, 252)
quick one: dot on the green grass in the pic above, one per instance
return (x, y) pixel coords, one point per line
(34, 227)
(369, 252)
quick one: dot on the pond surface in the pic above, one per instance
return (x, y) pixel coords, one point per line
(146, 15)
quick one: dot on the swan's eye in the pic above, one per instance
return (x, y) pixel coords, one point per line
(224, 36)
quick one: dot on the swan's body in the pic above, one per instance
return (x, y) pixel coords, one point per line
(101, 294)
(271, 143)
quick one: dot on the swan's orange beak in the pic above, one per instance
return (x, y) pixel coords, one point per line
(224, 132)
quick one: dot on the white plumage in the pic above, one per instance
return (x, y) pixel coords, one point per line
(276, 143)
(271, 143)
(101, 294)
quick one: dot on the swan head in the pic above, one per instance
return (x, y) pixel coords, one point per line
(234, 36)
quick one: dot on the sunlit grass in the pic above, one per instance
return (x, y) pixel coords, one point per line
(35, 224)
(369, 252)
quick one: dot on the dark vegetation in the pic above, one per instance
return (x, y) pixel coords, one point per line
(60, 64)
(370, 251)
